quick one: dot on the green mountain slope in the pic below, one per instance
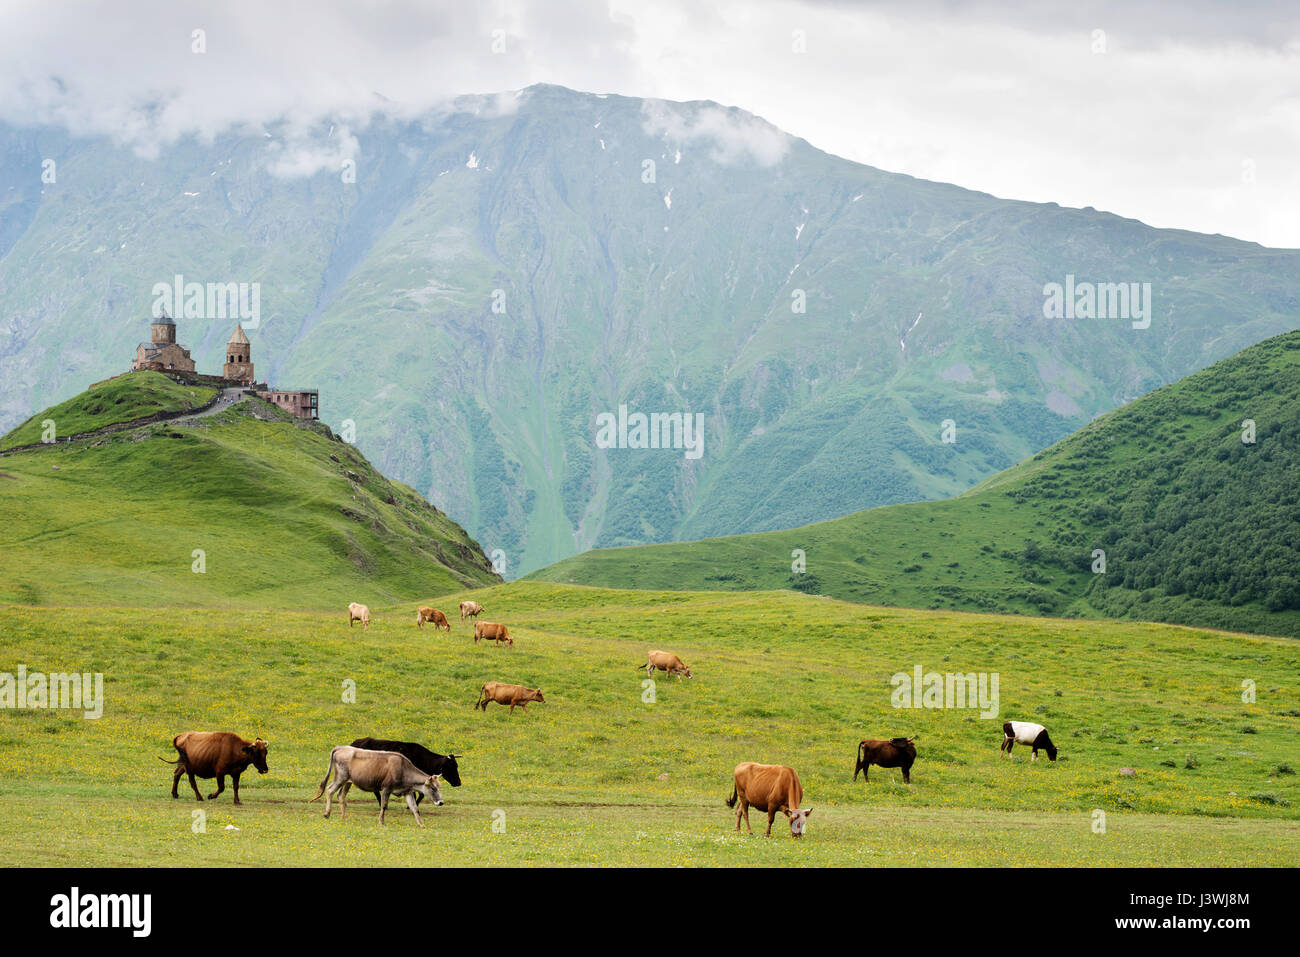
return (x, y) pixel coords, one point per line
(126, 398)
(245, 507)
(1197, 526)
(500, 274)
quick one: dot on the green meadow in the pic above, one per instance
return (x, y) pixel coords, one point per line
(606, 773)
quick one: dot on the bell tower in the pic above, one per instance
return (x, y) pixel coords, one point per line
(239, 359)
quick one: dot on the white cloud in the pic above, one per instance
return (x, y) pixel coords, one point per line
(999, 96)
(734, 136)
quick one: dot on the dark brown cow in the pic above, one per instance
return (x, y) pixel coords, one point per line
(431, 614)
(492, 632)
(470, 609)
(894, 753)
(214, 754)
(508, 694)
(772, 788)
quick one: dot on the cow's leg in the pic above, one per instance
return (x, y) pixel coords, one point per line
(221, 786)
(1034, 755)
(194, 784)
(329, 794)
(771, 816)
(176, 777)
(512, 707)
(866, 773)
(343, 798)
(907, 779)
(383, 805)
(747, 825)
(413, 803)
(234, 783)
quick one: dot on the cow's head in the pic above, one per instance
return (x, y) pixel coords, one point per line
(432, 791)
(798, 820)
(687, 672)
(1051, 752)
(256, 752)
(451, 771)
(537, 696)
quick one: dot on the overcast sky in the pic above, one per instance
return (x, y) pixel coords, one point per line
(1181, 114)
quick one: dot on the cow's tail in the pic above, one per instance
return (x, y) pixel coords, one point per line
(731, 801)
(482, 699)
(328, 771)
(165, 761)
(862, 754)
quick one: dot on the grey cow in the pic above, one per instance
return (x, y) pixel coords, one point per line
(379, 772)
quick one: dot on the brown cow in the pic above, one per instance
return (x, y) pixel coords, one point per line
(470, 609)
(214, 754)
(359, 612)
(770, 788)
(431, 614)
(666, 661)
(492, 632)
(508, 694)
(894, 753)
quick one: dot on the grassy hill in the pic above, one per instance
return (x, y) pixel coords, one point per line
(135, 395)
(244, 507)
(600, 775)
(1196, 525)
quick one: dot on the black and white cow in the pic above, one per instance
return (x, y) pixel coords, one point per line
(1027, 733)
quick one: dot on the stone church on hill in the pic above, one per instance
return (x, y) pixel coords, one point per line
(164, 354)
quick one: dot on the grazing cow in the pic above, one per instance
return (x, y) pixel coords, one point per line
(470, 609)
(431, 614)
(214, 754)
(666, 661)
(508, 694)
(358, 612)
(770, 788)
(427, 761)
(382, 772)
(1026, 732)
(492, 632)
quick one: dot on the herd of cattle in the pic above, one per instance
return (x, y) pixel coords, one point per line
(411, 771)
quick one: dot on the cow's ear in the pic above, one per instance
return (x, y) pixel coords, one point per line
(786, 811)
(807, 812)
